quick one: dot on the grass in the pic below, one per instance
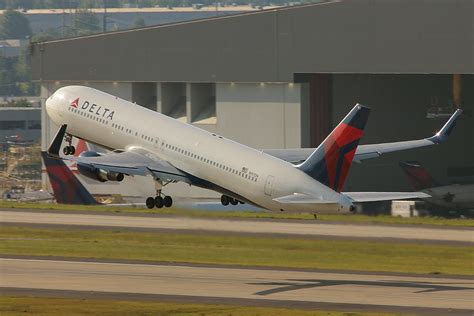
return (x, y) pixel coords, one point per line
(24, 305)
(381, 219)
(239, 250)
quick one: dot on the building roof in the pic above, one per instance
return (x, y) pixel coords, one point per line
(346, 36)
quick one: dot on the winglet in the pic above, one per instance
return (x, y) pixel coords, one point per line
(446, 130)
(55, 146)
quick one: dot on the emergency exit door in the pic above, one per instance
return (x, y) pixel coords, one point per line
(269, 185)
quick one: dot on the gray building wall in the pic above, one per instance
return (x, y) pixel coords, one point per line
(260, 115)
(24, 123)
(347, 36)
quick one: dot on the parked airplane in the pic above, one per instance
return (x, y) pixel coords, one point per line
(149, 143)
(67, 188)
(448, 196)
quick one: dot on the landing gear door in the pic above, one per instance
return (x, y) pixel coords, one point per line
(269, 185)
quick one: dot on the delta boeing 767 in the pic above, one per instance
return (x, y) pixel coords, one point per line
(145, 142)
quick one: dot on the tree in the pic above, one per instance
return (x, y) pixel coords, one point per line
(139, 22)
(14, 25)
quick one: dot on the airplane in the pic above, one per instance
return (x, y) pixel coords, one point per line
(145, 142)
(446, 196)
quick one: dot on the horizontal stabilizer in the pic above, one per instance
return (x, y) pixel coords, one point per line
(301, 198)
(384, 196)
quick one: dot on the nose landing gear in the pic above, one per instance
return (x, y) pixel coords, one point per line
(69, 149)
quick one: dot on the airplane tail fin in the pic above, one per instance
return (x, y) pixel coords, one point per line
(417, 175)
(66, 187)
(330, 162)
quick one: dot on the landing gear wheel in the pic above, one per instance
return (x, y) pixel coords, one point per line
(225, 200)
(167, 201)
(234, 202)
(315, 216)
(159, 202)
(150, 202)
(69, 150)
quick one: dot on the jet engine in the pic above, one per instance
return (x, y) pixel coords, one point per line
(94, 173)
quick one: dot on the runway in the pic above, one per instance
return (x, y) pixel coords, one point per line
(353, 291)
(298, 228)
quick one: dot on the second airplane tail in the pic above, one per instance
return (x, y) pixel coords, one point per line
(330, 162)
(418, 176)
(66, 187)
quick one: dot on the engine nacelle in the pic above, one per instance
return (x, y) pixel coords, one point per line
(99, 174)
(115, 176)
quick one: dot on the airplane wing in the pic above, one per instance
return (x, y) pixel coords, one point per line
(373, 150)
(135, 161)
(384, 196)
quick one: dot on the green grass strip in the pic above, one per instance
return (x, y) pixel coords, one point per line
(380, 219)
(24, 305)
(240, 250)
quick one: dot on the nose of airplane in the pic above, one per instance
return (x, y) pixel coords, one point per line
(52, 105)
(49, 104)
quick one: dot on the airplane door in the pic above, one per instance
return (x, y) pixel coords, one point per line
(269, 185)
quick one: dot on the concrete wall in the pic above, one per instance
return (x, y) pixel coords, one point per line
(260, 115)
(346, 36)
(171, 99)
(28, 118)
(145, 94)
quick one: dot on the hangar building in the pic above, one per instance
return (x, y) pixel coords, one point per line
(283, 78)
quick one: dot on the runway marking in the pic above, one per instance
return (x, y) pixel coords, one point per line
(235, 283)
(243, 226)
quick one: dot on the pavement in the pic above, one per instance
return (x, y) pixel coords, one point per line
(241, 286)
(245, 226)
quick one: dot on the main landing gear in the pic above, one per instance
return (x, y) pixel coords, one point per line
(226, 200)
(69, 149)
(160, 200)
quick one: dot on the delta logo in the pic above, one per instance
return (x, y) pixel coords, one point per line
(95, 109)
(75, 103)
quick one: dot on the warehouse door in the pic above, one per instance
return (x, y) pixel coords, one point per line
(320, 107)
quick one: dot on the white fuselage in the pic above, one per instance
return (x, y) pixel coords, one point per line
(454, 196)
(114, 123)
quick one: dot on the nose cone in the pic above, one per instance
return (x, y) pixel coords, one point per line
(53, 106)
(49, 104)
